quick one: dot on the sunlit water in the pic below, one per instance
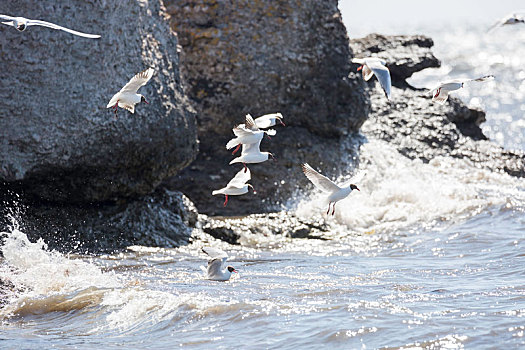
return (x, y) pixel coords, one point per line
(425, 256)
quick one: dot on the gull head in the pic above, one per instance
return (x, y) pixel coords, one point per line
(20, 26)
(354, 187)
(143, 99)
(231, 269)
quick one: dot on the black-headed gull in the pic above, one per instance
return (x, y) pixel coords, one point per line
(441, 91)
(127, 97)
(247, 133)
(268, 120)
(335, 193)
(237, 186)
(214, 271)
(252, 154)
(21, 23)
(374, 65)
(512, 18)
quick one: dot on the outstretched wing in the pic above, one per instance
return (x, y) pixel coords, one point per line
(320, 181)
(242, 131)
(483, 78)
(250, 123)
(33, 22)
(240, 179)
(382, 73)
(7, 18)
(140, 79)
(215, 253)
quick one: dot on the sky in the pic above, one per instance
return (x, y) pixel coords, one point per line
(405, 16)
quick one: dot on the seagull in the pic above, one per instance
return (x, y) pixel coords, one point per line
(247, 133)
(512, 18)
(441, 91)
(214, 271)
(251, 153)
(267, 120)
(374, 65)
(336, 193)
(127, 97)
(21, 23)
(237, 186)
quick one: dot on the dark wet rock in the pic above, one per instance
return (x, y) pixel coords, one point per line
(422, 129)
(404, 54)
(58, 140)
(232, 229)
(262, 57)
(162, 219)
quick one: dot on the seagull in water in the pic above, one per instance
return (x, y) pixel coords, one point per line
(21, 24)
(374, 65)
(247, 133)
(214, 271)
(512, 18)
(335, 193)
(127, 97)
(237, 186)
(441, 91)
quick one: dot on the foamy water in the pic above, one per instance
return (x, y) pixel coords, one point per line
(425, 256)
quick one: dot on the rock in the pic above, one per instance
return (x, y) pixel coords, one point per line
(58, 140)
(162, 219)
(235, 229)
(404, 54)
(422, 129)
(262, 57)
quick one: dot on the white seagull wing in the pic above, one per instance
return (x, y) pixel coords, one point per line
(383, 75)
(240, 179)
(242, 131)
(214, 253)
(33, 22)
(140, 79)
(320, 181)
(7, 18)
(483, 78)
(267, 120)
(250, 123)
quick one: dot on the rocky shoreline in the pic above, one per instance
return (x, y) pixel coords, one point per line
(86, 182)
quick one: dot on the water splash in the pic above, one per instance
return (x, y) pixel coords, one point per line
(398, 193)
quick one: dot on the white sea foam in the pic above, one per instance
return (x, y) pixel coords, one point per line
(399, 193)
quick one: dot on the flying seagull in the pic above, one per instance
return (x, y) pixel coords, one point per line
(512, 18)
(127, 97)
(214, 271)
(441, 91)
(335, 193)
(21, 23)
(374, 65)
(247, 133)
(237, 186)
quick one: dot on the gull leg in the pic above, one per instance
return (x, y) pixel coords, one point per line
(333, 209)
(328, 211)
(115, 108)
(437, 93)
(236, 149)
(226, 201)
(245, 167)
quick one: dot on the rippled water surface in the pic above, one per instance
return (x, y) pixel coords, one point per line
(425, 256)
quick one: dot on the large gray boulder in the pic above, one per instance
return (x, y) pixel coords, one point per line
(57, 139)
(262, 57)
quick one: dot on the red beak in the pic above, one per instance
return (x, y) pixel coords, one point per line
(146, 102)
(235, 271)
(282, 123)
(358, 69)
